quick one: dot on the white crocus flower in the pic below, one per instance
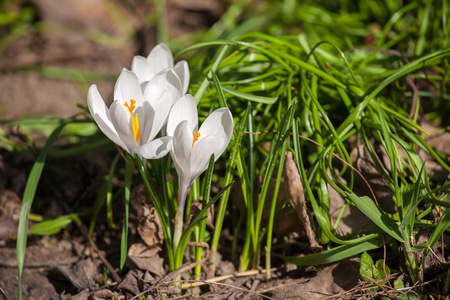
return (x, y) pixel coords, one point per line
(193, 147)
(135, 116)
(160, 60)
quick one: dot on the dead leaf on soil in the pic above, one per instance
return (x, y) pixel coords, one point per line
(329, 280)
(294, 189)
(9, 216)
(80, 275)
(105, 294)
(147, 258)
(196, 207)
(150, 228)
(131, 282)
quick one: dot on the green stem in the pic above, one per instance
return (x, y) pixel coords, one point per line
(205, 82)
(273, 208)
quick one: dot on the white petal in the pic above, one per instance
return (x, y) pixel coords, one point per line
(160, 58)
(127, 88)
(219, 124)
(183, 109)
(141, 67)
(162, 109)
(182, 70)
(100, 113)
(146, 115)
(157, 85)
(201, 154)
(156, 148)
(175, 83)
(121, 119)
(182, 148)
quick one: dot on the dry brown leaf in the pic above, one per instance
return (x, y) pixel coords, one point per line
(147, 258)
(150, 229)
(294, 189)
(196, 207)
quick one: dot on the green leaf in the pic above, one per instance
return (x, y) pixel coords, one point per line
(28, 197)
(366, 266)
(251, 97)
(124, 237)
(408, 221)
(51, 226)
(236, 142)
(378, 271)
(442, 226)
(335, 254)
(378, 216)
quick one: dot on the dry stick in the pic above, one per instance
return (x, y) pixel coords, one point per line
(381, 287)
(169, 277)
(415, 95)
(94, 246)
(233, 287)
(360, 289)
(100, 255)
(384, 261)
(196, 283)
(3, 292)
(334, 154)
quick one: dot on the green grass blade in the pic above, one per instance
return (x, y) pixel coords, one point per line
(206, 192)
(402, 71)
(162, 217)
(237, 138)
(251, 97)
(378, 216)
(52, 226)
(109, 197)
(413, 203)
(441, 227)
(336, 254)
(198, 96)
(124, 237)
(28, 197)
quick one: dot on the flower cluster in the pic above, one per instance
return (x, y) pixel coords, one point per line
(152, 96)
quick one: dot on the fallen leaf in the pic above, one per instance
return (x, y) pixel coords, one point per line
(294, 189)
(147, 258)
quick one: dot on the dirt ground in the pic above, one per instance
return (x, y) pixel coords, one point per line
(73, 265)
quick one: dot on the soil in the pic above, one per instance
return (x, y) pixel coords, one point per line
(74, 265)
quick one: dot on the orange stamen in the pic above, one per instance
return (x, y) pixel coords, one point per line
(135, 120)
(196, 135)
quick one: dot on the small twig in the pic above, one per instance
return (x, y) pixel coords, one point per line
(384, 261)
(3, 292)
(169, 278)
(94, 246)
(415, 95)
(100, 255)
(197, 283)
(381, 287)
(230, 286)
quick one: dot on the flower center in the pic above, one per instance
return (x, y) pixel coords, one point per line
(135, 120)
(196, 135)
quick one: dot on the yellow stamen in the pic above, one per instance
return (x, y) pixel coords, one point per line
(196, 136)
(135, 120)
